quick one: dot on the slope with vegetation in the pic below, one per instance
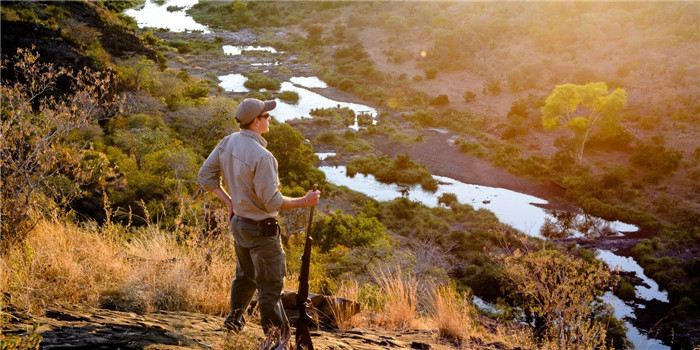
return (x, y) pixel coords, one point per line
(116, 219)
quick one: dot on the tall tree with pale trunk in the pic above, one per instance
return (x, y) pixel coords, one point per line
(580, 108)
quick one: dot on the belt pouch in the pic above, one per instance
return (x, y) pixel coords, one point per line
(269, 227)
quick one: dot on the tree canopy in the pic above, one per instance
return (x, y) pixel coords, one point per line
(581, 107)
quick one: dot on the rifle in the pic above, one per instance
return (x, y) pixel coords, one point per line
(303, 338)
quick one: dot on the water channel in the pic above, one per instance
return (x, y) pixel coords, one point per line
(522, 211)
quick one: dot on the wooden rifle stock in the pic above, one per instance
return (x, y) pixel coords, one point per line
(303, 338)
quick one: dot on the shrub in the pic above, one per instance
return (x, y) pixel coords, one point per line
(341, 229)
(182, 46)
(448, 199)
(469, 96)
(289, 96)
(655, 156)
(401, 170)
(492, 86)
(328, 137)
(364, 119)
(347, 84)
(295, 156)
(625, 291)
(440, 100)
(469, 147)
(350, 53)
(257, 81)
(615, 178)
(562, 291)
(39, 166)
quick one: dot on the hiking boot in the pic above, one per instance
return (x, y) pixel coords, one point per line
(231, 324)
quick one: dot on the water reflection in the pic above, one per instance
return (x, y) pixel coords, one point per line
(153, 15)
(237, 50)
(233, 82)
(309, 100)
(564, 224)
(649, 291)
(510, 207)
(309, 82)
(625, 312)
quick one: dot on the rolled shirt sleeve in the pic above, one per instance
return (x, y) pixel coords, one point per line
(267, 184)
(209, 175)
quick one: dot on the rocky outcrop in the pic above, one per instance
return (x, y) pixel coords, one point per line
(56, 46)
(82, 327)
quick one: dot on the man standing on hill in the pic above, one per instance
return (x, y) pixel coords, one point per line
(250, 172)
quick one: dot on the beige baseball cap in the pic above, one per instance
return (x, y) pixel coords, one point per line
(250, 108)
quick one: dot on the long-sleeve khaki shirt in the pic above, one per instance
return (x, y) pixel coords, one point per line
(249, 171)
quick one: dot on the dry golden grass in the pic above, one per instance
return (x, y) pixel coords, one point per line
(457, 321)
(61, 263)
(453, 315)
(94, 265)
(345, 314)
(399, 304)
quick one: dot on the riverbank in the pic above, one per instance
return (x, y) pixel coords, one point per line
(434, 155)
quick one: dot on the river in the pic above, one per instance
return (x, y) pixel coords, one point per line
(523, 212)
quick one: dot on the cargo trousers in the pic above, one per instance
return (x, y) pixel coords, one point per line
(260, 264)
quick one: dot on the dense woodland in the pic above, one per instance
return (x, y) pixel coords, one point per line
(102, 140)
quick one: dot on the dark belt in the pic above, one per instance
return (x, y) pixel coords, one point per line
(250, 221)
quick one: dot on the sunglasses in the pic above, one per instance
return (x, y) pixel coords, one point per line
(266, 116)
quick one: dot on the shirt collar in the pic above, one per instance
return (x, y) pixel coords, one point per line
(255, 136)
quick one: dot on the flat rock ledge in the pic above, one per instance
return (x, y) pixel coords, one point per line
(84, 327)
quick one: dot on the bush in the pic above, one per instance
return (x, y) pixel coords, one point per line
(182, 46)
(341, 229)
(654, 156)
(625, 291)
(257, 81)
(40, 164)
(562, 291)
(440, 100)
(615, 178)
(492, 86)
(289, 96)
(350, 53)
(295, 157)
(469, 96)
(401, 170)
(260, 95)
(347, 84)
(473, 148)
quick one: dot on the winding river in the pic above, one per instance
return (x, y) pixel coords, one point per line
(521, 211)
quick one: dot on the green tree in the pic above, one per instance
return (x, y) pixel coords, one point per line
(395, 24)
(137, 71)
(581, 107)
(345, 230)
(142, 140)
(295, 158)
